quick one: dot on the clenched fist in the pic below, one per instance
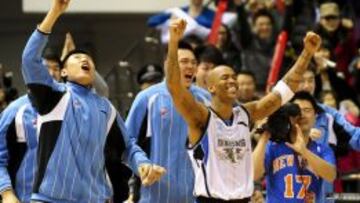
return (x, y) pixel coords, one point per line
(312, 42)
(150, 173)
(177, 28)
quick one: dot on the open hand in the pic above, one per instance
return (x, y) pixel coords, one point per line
(299, 145)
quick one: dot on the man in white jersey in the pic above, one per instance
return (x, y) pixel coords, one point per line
(219, 136)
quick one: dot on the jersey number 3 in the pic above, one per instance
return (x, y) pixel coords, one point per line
(305, 182)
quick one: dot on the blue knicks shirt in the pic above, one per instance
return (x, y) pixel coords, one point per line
(153, 116)
(288, 178)
(18, 143)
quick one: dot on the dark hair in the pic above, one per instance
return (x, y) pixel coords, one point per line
(151, 73)
(323, 93)
(262, 13)
(248, 73)
(303, 95)
(209, 53)
(181, 45)
(75, 51)
(193, 39)
(50, 54)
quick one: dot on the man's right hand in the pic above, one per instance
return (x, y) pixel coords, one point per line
(177, 28)
(9, 197)
(150, 173)
(59, 6)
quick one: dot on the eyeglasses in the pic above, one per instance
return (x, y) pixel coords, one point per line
(330, 17)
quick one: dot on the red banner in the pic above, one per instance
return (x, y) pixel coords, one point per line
(221, 8)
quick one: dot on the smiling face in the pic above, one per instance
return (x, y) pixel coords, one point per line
(263, 27)
(79, 68)
(222, 84)
(187, 65)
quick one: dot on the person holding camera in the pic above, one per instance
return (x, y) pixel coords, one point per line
(294, 165)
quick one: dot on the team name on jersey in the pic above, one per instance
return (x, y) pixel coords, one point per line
(283, 161)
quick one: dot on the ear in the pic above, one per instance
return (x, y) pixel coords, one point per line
(64, 72)
(211, 89)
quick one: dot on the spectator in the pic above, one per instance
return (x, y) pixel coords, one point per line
(230, 52)
(200, 19)
(247, 87)
(327, 76)
(339, 33)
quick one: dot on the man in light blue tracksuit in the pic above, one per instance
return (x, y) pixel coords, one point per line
(18, 143)
(162, 131)
(76, 127)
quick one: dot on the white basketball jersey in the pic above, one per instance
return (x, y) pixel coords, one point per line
(222, 160)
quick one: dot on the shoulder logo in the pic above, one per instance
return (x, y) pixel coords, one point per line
(163, 111)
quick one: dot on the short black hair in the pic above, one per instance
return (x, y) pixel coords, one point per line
(75, 51)
(261, 13)
(248, 73)
(303, 95)
(209, 53)
(50, 54)
(193, 39)
(182, 45)
(150, 73)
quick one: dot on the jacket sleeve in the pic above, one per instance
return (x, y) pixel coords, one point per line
(7, 117)
(353, 131)
(45, 92)
(137, 113)
(120, 144)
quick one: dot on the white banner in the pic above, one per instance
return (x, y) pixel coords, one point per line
(106, 6)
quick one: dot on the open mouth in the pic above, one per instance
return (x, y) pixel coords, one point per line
(85, 67)
(189, 76)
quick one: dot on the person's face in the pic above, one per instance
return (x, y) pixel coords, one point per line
(79, 68)
(308, 82)
(246, 87)
(202, 73)
(330, 23)
(263, 27)
(187, 65)
(53, 68)
(222, 36)
(329, 100)
(223, 84)
(308, 115)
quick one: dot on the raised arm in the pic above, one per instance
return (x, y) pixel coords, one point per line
(45, 92)
(194, 113)
(285, 88)
(353, 131)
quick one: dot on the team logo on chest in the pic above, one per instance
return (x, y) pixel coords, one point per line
(231, 150)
